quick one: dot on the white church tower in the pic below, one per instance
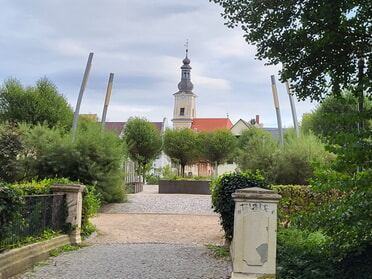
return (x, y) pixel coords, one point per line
(184, 100)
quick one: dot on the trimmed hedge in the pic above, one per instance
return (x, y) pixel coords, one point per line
(222, 202)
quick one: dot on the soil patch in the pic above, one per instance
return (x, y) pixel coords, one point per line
(162, 228)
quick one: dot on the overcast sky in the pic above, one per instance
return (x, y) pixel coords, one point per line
(142, 43)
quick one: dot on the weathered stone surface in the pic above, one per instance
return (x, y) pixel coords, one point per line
(253, 249)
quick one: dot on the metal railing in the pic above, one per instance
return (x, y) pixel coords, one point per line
(38, 214)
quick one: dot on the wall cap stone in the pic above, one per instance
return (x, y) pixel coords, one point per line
(74, 188)
(255, 193)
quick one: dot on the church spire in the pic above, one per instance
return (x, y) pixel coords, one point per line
(184, 100)
(185, 84)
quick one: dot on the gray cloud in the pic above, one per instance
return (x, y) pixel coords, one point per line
(142, 42)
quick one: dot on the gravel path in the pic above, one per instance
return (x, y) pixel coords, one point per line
(105, 258)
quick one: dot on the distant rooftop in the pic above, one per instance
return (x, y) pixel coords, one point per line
(210, 124)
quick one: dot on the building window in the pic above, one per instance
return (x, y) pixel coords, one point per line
(182, 111)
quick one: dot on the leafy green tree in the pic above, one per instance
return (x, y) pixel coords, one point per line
(217, 146)
(318, 42)
(294, 163)
(256, 150)
(181, 146)
(94, 158)
(334, 116)
(144, 143)
(34, 105)
(11, 146)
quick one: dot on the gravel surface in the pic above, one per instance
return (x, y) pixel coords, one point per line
(133, 260)
(148, 202)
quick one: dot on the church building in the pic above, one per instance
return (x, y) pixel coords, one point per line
(184, 112)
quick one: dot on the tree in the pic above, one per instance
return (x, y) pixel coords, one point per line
(319, 43)
(256, 149)
(143, 142)
(334, 116)
(11, 146)
(217, 146)
(94, 158)
(34, 105)
(181, 146)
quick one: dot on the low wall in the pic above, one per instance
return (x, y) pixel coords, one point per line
(201, 187)
(19, 259)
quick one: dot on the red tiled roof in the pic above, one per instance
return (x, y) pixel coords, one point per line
(115, 126)
(210, 124)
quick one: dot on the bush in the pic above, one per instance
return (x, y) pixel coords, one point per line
(10, 203)
(94, 158)
(297, 199)
(222, 202)
(300, 254)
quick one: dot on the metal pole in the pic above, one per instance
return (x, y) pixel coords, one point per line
(107, 100)
(293, 108)
(82, 88)
(276, 103)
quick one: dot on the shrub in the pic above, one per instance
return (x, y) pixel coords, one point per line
(300, 254)
(10, 203)
(94, 158)
(222, 202)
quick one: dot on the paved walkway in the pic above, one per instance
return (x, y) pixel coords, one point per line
(150, 253)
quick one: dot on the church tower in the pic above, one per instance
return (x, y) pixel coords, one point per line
(184, 100)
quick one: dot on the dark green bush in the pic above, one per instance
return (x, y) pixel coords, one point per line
(222, 202)
(10, 204)
(301, 255)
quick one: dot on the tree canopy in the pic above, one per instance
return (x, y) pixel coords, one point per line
(217, 146)
(181, 146)
(319, 43)
(34, 104)
(143, 143)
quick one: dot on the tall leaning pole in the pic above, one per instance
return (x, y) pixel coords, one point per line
(293, 108)
(276, 103)
(107, 100)
(82, 88)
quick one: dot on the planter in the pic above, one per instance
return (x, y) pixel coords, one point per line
(17, 260)
(201, 187)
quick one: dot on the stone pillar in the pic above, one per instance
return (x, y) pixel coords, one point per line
(253, 249)
(74, 200)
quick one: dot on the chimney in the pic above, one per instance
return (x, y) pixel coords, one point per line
(257, 119)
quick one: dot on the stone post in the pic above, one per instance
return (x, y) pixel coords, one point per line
(253, 249)
(74, 200)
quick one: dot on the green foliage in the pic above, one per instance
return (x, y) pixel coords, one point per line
(300, 254)
(335, 115)
(152, 179)
(143, 142)
(10, 202)
(11, 146)
(297, 199)
(34, 105)
(94, 158)
(290, 164)
(293, 163)
(256, 150)
(222, 202)
(217, 147)
(218, 251)
(308, 38)
(91, 204)
(181, 146)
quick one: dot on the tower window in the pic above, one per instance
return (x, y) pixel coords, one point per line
(182, 111)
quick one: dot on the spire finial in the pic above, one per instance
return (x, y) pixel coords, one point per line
(187, 46)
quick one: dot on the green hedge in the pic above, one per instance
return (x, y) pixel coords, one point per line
(11, 201)
(222, 202)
